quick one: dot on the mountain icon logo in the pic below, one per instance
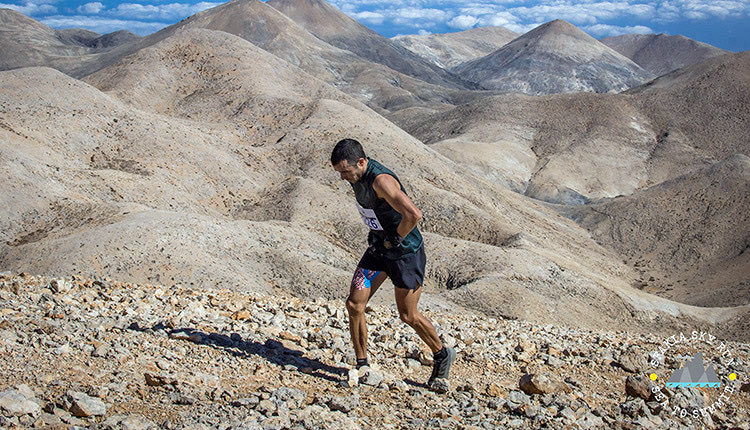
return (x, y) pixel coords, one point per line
(693, 374)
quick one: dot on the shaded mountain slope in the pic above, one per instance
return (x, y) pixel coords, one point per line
(582, 147)
(379, 86)
(576, 149)
(706, 105)
(689, 237)
(662, 53)
(26, 42)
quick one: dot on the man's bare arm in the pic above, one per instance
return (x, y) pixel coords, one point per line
(387, 187)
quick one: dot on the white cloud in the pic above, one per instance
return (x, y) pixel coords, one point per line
(31, 8)
(423, 32)
(606, 17)
(418, 17)
(162, 11)
(518, 15)
(371, 17)
(522, 28)
(103, 25)
(463, 22)
(91, 8)
(720, 9)
(666, 12)
(476, 10)
(499, 19)
(583, 13)
(604, 30)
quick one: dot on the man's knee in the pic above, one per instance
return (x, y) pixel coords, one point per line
(408, 317)
(355, 308)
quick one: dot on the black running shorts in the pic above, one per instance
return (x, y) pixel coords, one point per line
(407, 272)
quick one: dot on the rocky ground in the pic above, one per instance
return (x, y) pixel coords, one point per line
(97, 353)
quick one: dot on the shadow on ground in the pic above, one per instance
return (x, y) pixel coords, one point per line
(272, 350)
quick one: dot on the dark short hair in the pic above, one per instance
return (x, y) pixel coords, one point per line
(349, 150)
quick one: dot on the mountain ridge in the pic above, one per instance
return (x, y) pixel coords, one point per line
(661, 53)
(451, 49)
(555, 57)
(333, 26)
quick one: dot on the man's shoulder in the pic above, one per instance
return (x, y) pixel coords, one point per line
(384, 181)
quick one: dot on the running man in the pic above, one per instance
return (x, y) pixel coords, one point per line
(395, 250)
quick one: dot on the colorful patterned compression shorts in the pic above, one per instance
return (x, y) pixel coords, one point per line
(363, 278)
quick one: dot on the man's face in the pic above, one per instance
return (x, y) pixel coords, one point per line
(351, 173)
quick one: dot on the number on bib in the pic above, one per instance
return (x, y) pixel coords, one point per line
(369, 218)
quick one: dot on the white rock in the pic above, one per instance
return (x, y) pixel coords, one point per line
(60, 286)
(19, 401)
(83, 405)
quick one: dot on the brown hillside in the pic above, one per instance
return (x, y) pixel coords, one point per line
(576, 149)
(689, 237)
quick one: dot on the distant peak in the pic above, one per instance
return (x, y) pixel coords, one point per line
(11, 12)
(301, 4)
(554, 30)
(559, 23)
(556, 27)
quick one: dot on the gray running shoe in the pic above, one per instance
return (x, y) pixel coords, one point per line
(441, 368)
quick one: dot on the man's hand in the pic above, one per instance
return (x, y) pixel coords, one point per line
(387, 187)
(392, 242)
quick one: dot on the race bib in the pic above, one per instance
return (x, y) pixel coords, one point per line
(369, 218)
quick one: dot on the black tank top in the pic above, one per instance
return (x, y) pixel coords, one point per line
(380, 217)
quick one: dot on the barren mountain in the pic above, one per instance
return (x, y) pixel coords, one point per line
(380, 87)
(451, 49)
(577, 148)
(705, 106)
(554, 58)
(662, 53)
(333, 26)
(26, 42)
(91, 39)
(580, 147)
(689, 236)
(214, 172)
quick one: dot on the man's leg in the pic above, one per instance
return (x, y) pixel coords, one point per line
(442, 357)
(359, 295)
(406, 301)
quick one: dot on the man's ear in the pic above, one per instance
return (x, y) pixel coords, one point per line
(361, 163)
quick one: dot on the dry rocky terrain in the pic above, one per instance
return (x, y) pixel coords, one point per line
(99, 353)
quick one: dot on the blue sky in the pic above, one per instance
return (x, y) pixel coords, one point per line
(722, 23)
